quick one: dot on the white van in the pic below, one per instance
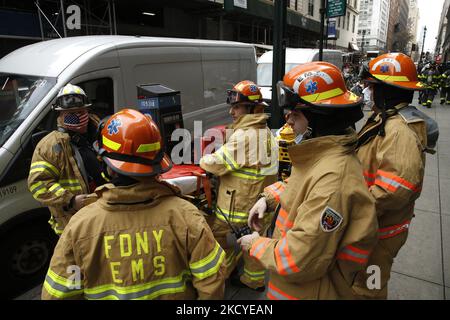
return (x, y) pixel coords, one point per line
(109, 68)
(294, 57)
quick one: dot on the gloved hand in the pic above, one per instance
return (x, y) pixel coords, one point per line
(256, 214)
(246, 241)
(78, 202)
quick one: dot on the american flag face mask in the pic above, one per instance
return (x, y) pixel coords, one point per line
(76, 121)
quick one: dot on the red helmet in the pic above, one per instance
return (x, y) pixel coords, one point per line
(396, 69)
(130, 143)
(244, 91)
(315, 85)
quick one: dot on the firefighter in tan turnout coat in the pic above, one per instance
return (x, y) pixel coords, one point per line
(139, 240)
(326, 225)
(64, 167)
(246, 163)
(392, 151)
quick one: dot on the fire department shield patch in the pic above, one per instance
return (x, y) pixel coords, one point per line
(330, 220)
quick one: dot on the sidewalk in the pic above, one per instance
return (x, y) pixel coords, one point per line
(422, 269)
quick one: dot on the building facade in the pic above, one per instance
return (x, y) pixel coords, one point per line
(441, 43)
(248, 21)
(413, 23)
(373, 25)
(398, 32)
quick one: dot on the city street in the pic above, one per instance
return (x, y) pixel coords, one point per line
(422, 269)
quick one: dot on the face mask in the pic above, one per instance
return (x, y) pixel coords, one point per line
(76, 121)
(299, 138)
(303, 136)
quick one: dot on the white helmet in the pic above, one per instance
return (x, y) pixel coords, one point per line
(71, 97)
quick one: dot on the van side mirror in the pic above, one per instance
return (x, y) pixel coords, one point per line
(36, 137)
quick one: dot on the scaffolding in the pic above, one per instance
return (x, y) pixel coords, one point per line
(96, 18)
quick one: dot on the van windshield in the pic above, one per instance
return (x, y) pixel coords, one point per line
(264, 73)
(19, 95)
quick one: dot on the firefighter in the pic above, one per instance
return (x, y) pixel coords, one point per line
(445, 85)
(139, 240)
(421, 76)
(64, 167)
(432, 79)
(326, 223)
(391, 150)
(245, 164)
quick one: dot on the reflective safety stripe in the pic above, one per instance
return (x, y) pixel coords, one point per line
(389, 181)
(146, 291)
(393, 182)
(37, 189)
(370, 178)
(111, 144)
(285, 262)
(208, 265)
(42, 166)
(259, 247)
(276, 189)
(254, 97)
(245, 173)
(234, 217)
(391, 78)
(283, 223)
(55, 226)
(71, 184)
(149, 147)
(354, 254)
(324, 95)
(61, 287)
(227, 158)
(255, 275)
(229, 259)
(56, 189)
(274, 293)
(392, 231)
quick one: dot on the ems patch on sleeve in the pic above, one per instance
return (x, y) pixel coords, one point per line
(330, 219)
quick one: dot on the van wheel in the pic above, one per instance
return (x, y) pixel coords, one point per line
(26, 252)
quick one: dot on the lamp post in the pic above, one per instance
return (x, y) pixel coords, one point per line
(362, 42)
(423, 43)
(322, 12)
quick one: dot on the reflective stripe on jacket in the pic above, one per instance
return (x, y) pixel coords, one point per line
(394, 167)
(306, 259)
(137, 242)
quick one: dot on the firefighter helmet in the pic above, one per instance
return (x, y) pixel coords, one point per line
(245, 91)
(395, 69)
(315, 86)
(130, 143)
(71, 97)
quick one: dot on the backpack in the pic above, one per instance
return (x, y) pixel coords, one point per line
(411, 114)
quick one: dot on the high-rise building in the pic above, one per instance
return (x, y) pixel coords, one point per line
(413, 23)
(373, 24)
(398, 32)
(442, 31)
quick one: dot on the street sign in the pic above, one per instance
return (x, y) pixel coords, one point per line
(332, 30)
(336, 8)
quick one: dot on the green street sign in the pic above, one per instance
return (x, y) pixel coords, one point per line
(336, 8)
